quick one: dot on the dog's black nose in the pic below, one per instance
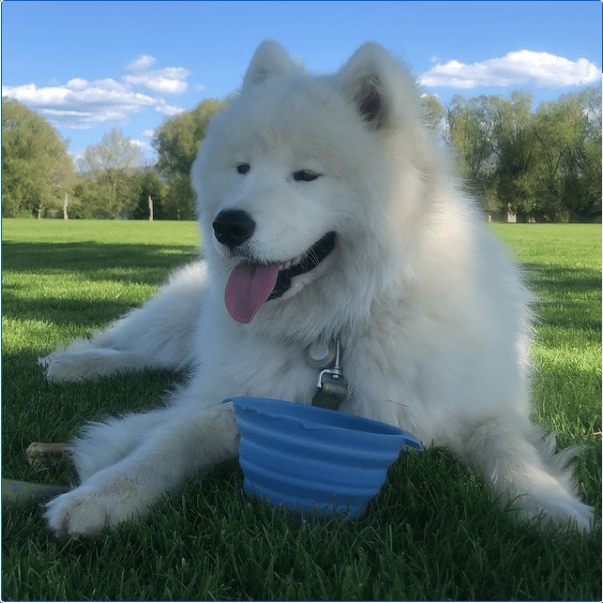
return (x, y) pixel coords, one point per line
(233, 227)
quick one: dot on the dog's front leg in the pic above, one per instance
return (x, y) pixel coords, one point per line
(191, 440)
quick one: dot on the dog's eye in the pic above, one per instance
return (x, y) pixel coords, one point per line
(305, 176)
(243, 168)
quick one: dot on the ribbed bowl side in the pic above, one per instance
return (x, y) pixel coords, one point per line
(321, 461)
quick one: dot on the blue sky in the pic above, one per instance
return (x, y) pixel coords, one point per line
(88, 67)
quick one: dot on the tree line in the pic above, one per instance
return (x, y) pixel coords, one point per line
(110, 180)
(539, 165)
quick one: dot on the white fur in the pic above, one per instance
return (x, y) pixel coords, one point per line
(432, 316)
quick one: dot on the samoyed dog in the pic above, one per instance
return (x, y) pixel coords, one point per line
(329, 217)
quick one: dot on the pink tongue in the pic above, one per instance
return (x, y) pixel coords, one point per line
(248, 287)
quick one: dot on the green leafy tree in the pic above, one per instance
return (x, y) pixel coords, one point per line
(514, 145)
(557, 131)
(177, 141)
(581, 190)
(121, 191)
(543, 165)
(111, 164)
(581, 166)
(115, 151)
(179, 200)
(37, 171)
(150, 185)
(89, 200)
(434, 111)
(470, 127)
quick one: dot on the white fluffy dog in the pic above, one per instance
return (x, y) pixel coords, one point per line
(328, 215)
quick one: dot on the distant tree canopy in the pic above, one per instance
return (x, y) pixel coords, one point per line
(110, 178)
(37, 171)
(542, 165)
(177, 141)
(114, 151)
(119, 193)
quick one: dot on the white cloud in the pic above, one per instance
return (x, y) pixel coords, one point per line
(144, 61)
(149, 133)
(31, 94)
(141, 144)
(169, 80)
(77, 83)
(82, 104)
(168, 110)
(165, 81)
(515, 68)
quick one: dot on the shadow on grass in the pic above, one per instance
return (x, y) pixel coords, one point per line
(563, 277)
(127, 263)
(149, 261)
(566, 297)
(63, 312)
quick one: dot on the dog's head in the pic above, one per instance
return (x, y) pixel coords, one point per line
(306, 183)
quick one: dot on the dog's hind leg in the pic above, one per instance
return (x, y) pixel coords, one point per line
(156, 335)
(519, 462)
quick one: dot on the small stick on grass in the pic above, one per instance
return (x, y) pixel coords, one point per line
(41, 454)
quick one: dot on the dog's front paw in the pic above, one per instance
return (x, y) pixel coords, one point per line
(85, 512)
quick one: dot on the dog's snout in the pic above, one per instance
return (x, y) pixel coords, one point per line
(233, 227)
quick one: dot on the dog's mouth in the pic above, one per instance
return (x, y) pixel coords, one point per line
(251, 284)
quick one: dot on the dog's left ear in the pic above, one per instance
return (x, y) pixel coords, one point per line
(269, 59)
(372, 79)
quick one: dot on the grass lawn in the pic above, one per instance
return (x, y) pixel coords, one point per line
(433, 533)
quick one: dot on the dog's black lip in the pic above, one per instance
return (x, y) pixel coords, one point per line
(314, 256)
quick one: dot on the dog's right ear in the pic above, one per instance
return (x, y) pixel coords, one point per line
(269, 59)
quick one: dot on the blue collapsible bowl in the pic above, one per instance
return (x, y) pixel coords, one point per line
(312, 459)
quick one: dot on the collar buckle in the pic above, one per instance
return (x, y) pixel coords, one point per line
(331, 385)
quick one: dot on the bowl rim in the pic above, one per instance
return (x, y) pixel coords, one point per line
(269, 407)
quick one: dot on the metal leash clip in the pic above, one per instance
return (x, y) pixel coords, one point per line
(331, 385)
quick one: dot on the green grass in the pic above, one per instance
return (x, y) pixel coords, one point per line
(563, 265)
(433, 533)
